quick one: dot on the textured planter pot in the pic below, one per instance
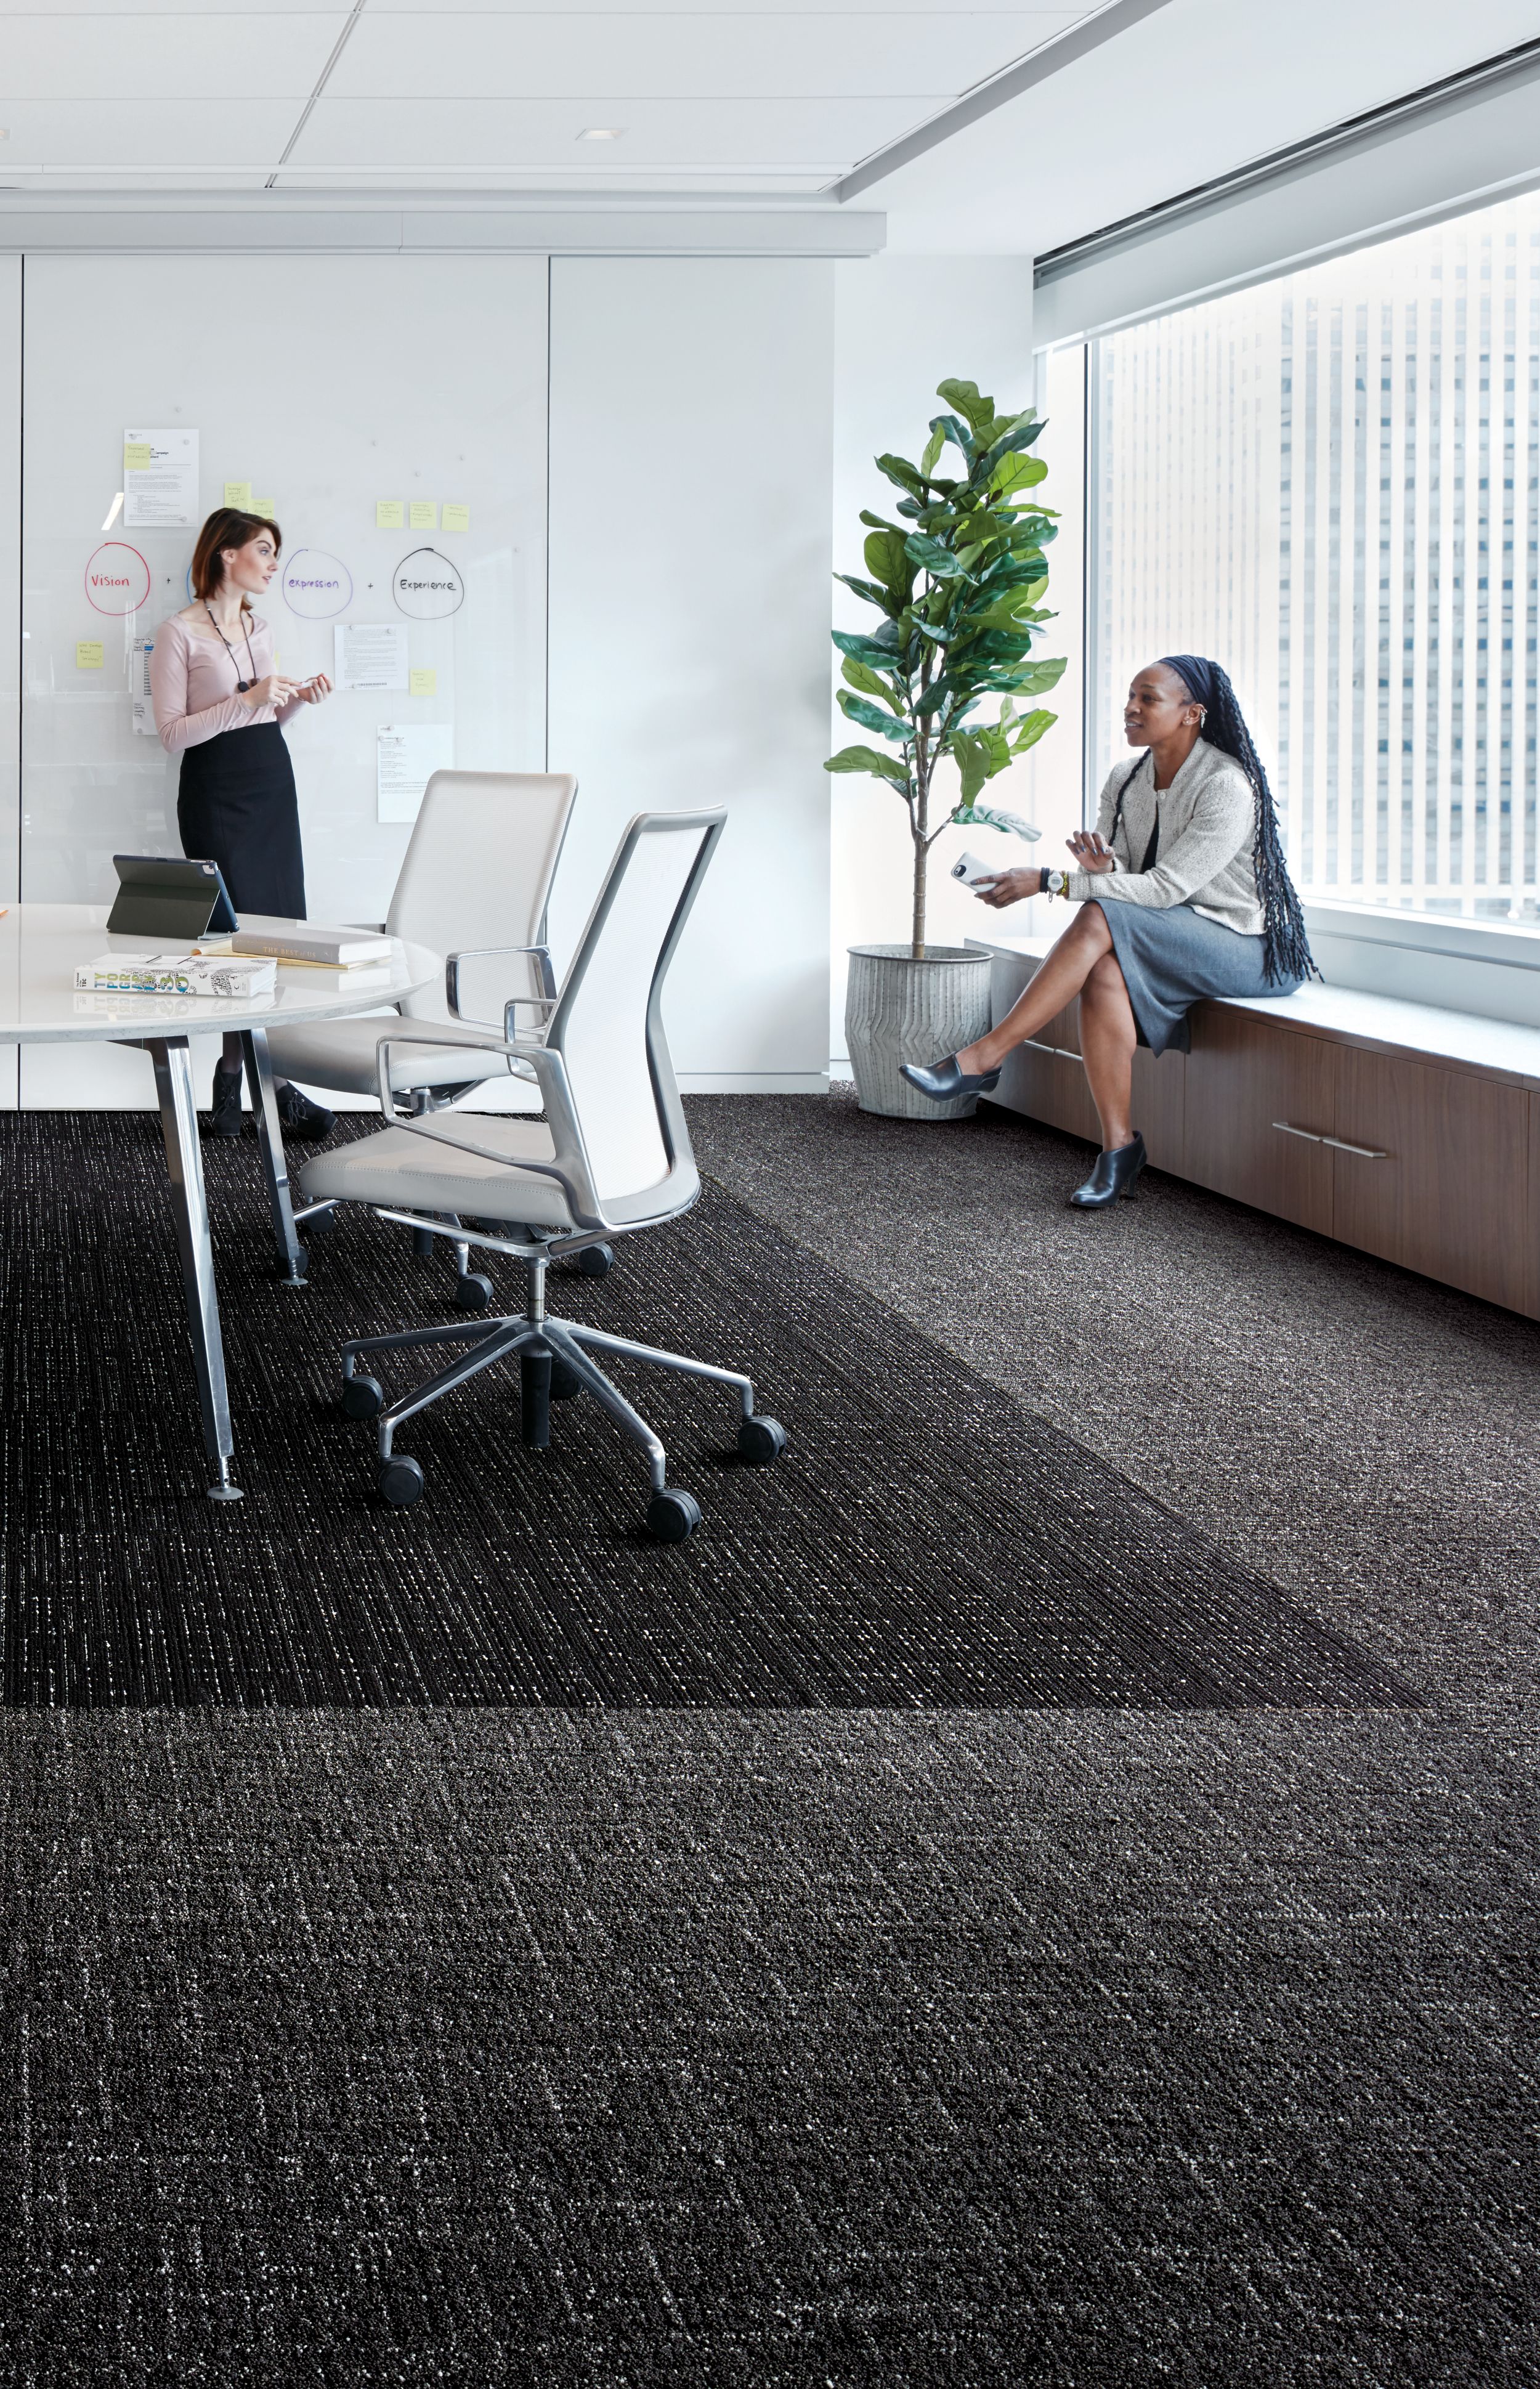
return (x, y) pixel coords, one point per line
(901, 1010)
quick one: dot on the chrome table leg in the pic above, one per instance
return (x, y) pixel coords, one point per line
(293, 1258)
(173, 1084)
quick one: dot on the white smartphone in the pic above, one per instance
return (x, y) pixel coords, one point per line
(972, 873)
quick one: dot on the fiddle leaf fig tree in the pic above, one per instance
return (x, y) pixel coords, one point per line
(957, 583)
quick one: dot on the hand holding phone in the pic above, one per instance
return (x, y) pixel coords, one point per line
(972, 873)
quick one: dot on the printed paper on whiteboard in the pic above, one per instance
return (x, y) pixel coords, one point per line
(407, 756)
(160, 481)
(369, 655)
(143, 703)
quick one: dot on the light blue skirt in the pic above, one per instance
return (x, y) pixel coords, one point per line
(1171, 960)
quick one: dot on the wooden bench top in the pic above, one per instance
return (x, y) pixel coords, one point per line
(1380, 1023)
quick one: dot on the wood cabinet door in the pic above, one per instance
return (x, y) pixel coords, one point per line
(1432, 1170)
(1046, 1079)
(1260, 1101)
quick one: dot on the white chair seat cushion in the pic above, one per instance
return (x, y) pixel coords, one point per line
(406, 1172)
(339, 1056)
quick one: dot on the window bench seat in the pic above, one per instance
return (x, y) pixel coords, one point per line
(1406, 1130)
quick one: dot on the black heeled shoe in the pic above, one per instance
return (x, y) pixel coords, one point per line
(943, 1082)
(1113, 1175)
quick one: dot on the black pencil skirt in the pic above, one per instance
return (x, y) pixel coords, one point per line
(237, 806)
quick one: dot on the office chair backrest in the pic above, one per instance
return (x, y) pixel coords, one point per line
(477, 873)
(608, 1027)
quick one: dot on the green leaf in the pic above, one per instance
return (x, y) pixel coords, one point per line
(1009, 436)
(866, 758)
(904, 475)
(867, 717)
(933, 446)
(1030, 729)
(996, 817)
(958, 433)
(879, 648)
(876, 522)
(937, 560)
(964, 397)
(1017, 472)
(861, 676)
(886, 554)
(870, 595)
(974, 762)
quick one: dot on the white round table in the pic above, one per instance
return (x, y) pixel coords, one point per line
(40, 946)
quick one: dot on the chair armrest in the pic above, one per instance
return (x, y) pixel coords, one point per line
(489, 954)
(571, 1168)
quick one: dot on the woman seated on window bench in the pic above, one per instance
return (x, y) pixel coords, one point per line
(1206, 908)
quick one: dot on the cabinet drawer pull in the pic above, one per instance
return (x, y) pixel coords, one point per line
(1308, 1133)
(1364, 1152)
(1066, 1053)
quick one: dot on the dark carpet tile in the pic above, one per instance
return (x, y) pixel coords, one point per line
(924, 1542)
(1041, 2049)
(1366, 1439)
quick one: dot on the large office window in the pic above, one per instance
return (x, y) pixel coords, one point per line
(1331, 483)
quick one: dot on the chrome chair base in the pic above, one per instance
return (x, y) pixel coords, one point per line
(557, 1362)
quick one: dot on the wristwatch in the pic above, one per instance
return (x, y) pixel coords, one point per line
(1055, 883)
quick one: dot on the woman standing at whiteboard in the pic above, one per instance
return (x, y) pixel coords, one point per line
(221, 705)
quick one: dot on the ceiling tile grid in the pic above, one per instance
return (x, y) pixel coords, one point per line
(710, 95)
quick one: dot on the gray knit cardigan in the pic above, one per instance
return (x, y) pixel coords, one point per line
(1208, 824)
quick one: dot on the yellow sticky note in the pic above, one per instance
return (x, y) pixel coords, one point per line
(88, 655)
(423, 514)
(263, 507)
(136, 456)
(457, 518)
(423, 683)
(238, 494)
(389, 515)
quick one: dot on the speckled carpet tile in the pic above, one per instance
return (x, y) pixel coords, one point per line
(1043, 1897)
(924, 1542)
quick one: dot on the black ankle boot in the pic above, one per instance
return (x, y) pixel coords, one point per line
(225, 1119)
(298, 1117)
(1113, 1175)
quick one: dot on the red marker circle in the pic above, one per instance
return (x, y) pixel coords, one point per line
(117, 579)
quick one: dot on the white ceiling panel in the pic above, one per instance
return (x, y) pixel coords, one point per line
(186, 137)
(405, 187)
(164, 57)
(1194, 91)
(523, 135)
(813, 18)
(659, 56)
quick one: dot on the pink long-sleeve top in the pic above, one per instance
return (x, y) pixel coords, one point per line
(192, 682)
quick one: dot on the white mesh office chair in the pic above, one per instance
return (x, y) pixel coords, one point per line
(611, 1157)
(476, 875)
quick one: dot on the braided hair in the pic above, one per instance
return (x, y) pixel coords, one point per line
(1285, 949)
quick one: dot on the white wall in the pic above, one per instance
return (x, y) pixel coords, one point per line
(10, 601)
(689, 624)
(332, 385)
(687, 636)
(902, 325)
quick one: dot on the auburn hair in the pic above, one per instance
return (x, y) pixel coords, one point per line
(227, 527)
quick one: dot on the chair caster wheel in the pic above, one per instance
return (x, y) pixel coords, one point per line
(761, 1440)
(595, 1261)
(362, 1396)
(565, 1384)
(672, 1515)
(320, 1223)
(472, 1292)
(400, 1481)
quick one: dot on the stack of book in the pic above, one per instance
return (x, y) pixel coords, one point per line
(245, 976)
(311, 944)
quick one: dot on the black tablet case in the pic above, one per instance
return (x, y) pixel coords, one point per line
(169, 896)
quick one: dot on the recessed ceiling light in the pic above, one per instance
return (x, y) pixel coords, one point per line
(601, 132)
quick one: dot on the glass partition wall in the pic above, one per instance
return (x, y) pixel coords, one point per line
(1329, 483)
